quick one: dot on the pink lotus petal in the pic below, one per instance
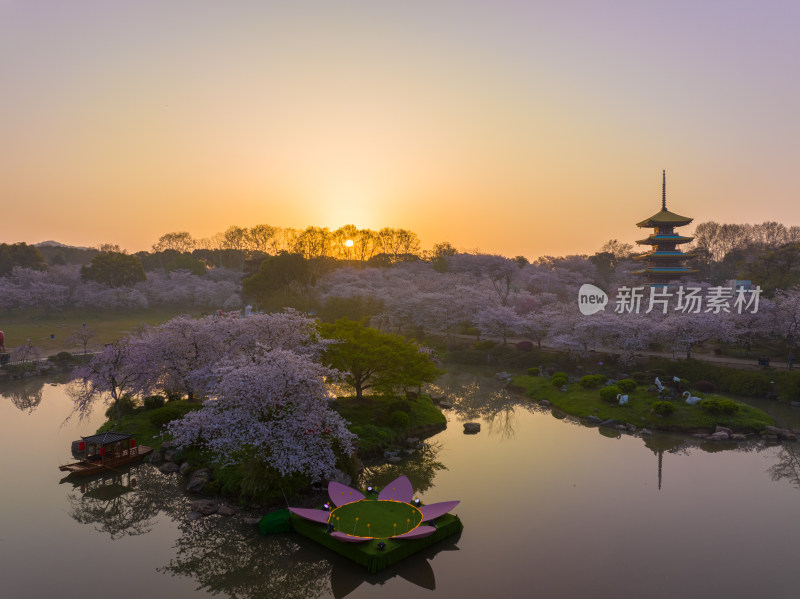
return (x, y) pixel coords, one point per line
(434, 510)
(420, 532)
(345, 538)
(342, 494)
(399, 489)
(313, 515)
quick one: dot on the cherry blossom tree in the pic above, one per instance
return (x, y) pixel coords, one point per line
(271, 408)
(110, 374)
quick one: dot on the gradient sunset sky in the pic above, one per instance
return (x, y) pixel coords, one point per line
(521, 128)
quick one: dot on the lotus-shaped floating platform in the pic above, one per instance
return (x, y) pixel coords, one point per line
(384, 521)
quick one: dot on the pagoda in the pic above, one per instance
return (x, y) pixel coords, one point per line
(665, 261)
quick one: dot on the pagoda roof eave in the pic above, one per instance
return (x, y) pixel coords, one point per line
(665, 217)
(655, 238)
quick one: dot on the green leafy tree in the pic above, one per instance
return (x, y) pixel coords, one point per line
(20, 254)
(282, 275)
(114, 269)
(371, 359)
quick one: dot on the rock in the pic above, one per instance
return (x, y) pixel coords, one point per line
(168, 467)
(172, 455)
(185, 467)
(720, 436)
(196, 484)
(155, 457)
(409, 451)
(412, 442)
(251, 521)
(563, 388)
(194, 515)
(390, 454)
(781, 433)
(621, 427)
(544, 403)
(445, 405)
(471, 428)
(226, 510)
(205, 506)
(593, 419)
(699, 435)
(342, 477)
(631, 428)
(647, 431)
(795, 404)
(723, 429)
(202, 473)
(738, 437)
(395, 460)
(609, 422)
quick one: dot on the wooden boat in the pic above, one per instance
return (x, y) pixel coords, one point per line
(106, 451)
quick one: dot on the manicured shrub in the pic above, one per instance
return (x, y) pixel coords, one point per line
(63, 356)
(749, 384)
(627, 385)
(663, 408)
(559, 379)
(705, 386)
(642, 378)
(533, 371)
(152, 402)
(399, 419)
(609, 393)
(592, 381)
(719, 406)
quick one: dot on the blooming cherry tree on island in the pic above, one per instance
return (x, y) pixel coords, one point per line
(272, 409)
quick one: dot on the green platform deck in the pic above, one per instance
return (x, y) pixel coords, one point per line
(367, 554)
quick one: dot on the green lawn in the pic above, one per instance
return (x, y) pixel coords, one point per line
(581, 402)
(49, 330)
(373, 518)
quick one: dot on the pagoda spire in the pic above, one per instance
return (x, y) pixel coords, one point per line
(664, 190)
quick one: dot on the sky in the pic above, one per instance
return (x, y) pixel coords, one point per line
(519, 128)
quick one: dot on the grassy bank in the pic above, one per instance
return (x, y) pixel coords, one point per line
(583, 403)
(49, 330)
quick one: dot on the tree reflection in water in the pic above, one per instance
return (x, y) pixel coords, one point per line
(25, 394)
(788, 465)
(121, 503)
(420, 468)
(477, 396)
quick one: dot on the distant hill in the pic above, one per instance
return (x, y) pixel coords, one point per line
(55, 253)
(58, 244)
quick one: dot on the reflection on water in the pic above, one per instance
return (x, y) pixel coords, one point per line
(788, 465)
(120, 503)
(25, 394)
(540, 494)
(474, 396)
(420, 468)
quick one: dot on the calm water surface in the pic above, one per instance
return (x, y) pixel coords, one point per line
(550, 509)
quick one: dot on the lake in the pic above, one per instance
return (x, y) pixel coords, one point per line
(550, 508)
